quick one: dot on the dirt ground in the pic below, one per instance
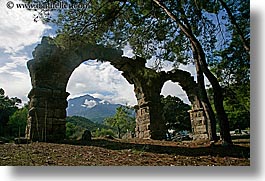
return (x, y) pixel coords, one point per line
(133, 152)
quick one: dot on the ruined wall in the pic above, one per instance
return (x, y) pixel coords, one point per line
(52, 67)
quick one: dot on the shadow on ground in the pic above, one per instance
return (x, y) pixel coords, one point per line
(183, 150)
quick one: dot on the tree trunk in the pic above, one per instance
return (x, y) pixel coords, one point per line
(119, 132)
(211, 121)
(218, 96)
(205, 103)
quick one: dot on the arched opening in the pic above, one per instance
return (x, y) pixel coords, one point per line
(175, 107)
(50, 71)
(199, 120)
(101, 80)
(97, 89)
(174, 89)
(104, 80)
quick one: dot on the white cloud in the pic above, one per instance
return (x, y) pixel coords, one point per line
(18, 32)
(89, 103)
(103, 102)
(13, 63)
(15, 84)
(190, 68)
(101, 80)
(14, 77)
(18, 28)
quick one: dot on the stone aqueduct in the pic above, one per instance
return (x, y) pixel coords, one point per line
(52, 67)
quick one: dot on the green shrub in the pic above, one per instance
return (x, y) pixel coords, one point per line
(17, 123)
(103, 132)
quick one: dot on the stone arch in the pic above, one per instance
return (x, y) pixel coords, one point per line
(52, 67)
(50, 71)
(198, 116)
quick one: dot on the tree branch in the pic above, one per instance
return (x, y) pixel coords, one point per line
(233, 21)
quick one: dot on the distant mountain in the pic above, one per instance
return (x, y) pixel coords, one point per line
(84, 123)
(92, 108)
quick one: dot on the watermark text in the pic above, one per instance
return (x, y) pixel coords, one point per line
(49, 6)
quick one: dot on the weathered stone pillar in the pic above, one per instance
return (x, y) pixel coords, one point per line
(47, 114)
(149, 121)
(48, 98)
(147, 87)
(198, 124)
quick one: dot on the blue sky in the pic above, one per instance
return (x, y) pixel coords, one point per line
(19, 34)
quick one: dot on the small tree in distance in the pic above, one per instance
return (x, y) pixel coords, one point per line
(122, 121)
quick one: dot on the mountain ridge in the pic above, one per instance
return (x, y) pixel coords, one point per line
(92, 108)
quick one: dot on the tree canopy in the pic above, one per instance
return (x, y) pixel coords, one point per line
(175, 113)
(8, 106)
(219, 26)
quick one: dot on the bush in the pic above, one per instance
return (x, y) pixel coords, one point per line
(17, 123)
(104, 132)
(70, 130)
(73, 131)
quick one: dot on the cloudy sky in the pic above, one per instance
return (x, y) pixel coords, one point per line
(19, 34)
